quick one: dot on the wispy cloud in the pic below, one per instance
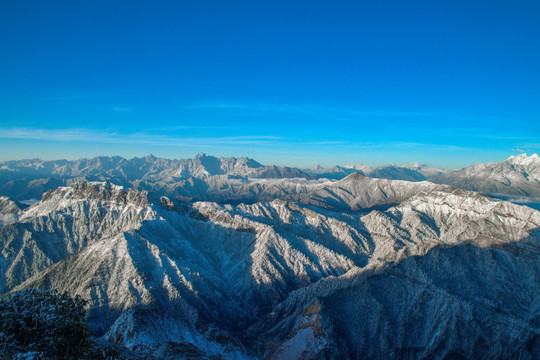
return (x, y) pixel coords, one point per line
(154, 138)
(428, 147)
(71, 98)
(493, 133)
(336, 113)
(323, 143)
(58, 135)
(122, 109)
(529, 147)
(97, 136)
(409, 146)
(159, 139)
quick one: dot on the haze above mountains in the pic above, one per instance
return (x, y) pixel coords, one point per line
(226, 258)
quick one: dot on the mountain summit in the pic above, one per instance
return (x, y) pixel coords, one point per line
(524, 160)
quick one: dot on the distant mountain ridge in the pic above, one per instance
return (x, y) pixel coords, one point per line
(243, 179)
(413, 172)
(149, 167)
(517, 176)
(26, 179)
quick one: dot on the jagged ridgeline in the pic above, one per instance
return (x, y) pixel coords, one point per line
(516, 178)
(228, 258)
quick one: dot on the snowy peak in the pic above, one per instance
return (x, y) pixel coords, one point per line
(356, 176)
(97, 200)
(525, 160)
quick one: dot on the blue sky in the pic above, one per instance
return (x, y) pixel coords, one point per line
(285, 82)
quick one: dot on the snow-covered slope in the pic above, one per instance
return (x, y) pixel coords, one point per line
(9, 210)
(451, 275)
(64, 222)
(517, 176)
(464, 301)
(267, 278)
(355, 192)
(9, 206)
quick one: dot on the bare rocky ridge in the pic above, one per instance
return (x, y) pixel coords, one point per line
(304, 274)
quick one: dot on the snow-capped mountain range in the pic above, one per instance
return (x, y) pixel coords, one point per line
(232, 259)
(200, 178)
(413, 172)
(517, 176)
(28, 179)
